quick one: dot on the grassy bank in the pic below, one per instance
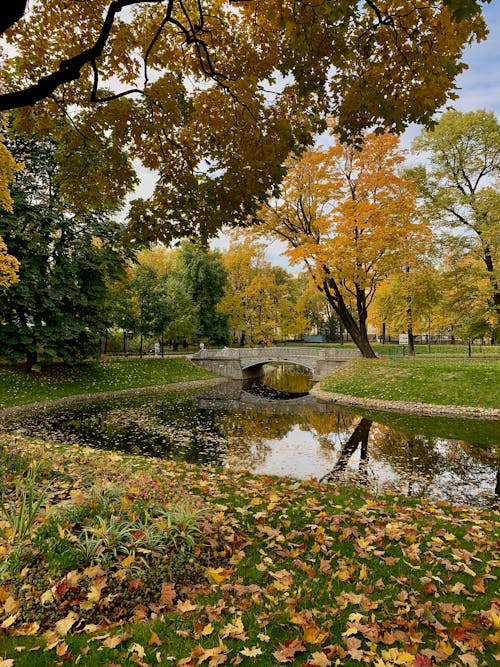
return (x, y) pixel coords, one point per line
(466, 382)
(19, 385)
(280, 571)
(459, 350)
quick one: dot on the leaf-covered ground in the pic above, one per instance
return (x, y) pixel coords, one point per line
(19, 385)
(238, 569)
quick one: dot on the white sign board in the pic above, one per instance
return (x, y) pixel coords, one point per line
(403, 339)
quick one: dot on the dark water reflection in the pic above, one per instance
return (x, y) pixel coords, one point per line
(456, 460)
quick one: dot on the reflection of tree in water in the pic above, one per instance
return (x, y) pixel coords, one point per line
(415, 459)
(247, 433)
(288, 378)
(432, 466)
(358, 438)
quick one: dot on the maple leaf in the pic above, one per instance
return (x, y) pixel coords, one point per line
(252, 652)
(154, 639)
(287, 650)
(319, 659)
(313, 635)
(63, 626)
(216, 575)
(186, 606)
(168, 594)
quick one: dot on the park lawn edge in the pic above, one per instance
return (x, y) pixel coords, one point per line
(314, 574)
(18, 386)
(442, 382)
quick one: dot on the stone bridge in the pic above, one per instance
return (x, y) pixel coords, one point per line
(248, 362)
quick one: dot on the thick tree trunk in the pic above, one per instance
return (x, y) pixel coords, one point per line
(356, 329)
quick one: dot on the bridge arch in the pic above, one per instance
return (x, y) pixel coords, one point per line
(241, 363)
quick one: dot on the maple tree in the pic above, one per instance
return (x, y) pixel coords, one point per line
(214, 95)
(420, 289)
(8, 264)
(352, 220)
(460, 186)
(260, 299)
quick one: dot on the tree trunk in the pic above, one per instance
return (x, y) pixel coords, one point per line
(409, 320)
(357, 330)
(31, 358)
(383, 333)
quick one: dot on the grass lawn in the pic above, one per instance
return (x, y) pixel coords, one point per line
(442, 350)
(442, 381)
(134, 561)
(19, 385)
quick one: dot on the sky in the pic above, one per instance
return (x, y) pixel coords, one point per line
(479, 88)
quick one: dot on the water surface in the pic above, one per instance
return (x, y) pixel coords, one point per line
(302, 437)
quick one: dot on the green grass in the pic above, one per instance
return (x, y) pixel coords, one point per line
(19, 385)
(467, 382)
(306, 574)
(421, 350)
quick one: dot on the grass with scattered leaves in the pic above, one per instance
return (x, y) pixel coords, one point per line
(18, 385)
(282, 571)
(466, 382)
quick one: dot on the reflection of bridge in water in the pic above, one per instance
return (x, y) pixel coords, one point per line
(243, 363)
(232, 395)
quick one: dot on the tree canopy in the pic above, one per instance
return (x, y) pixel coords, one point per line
(213, 95)
(65, 260)
(460, 187)
(351, 218)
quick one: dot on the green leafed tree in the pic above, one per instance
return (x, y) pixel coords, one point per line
(57, 306)
(204, 277)
(461, 186)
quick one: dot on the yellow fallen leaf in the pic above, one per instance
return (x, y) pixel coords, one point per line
(51, 639)
(137, 648)
(27, 629)
(127, 562)
(216, 575)
(47, 597)
(63, 626)
(207, 630)
(251, 652)
(61, 531)
(154, 639)
(8, 662)
(313, 635)
(61, 649)
(446, 648)
(186, 606)
(9, 621)
(114, 640)
(11, 605)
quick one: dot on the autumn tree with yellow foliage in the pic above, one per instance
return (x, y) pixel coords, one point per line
(351, 218)
(214, 95)
(8, 264)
